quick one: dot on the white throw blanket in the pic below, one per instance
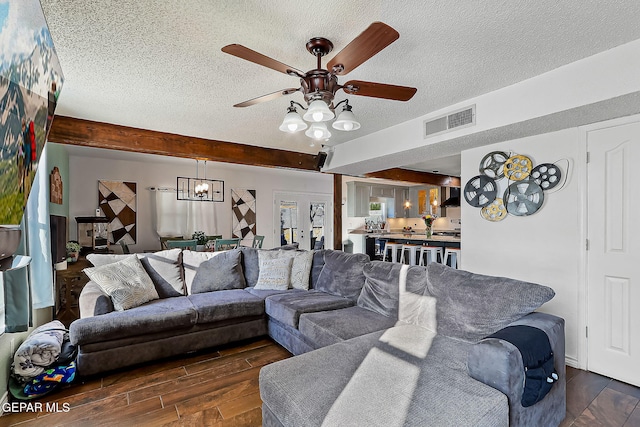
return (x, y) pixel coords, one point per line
(40, 349)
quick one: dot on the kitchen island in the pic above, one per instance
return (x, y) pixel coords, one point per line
(364, 241)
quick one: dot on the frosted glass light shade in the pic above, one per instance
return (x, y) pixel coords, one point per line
(292, 123)
(318, 112)
(346, 121)
(318, 131)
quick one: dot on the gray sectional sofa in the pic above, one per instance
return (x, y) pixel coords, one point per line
(375, 343)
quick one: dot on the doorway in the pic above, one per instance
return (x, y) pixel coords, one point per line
(303, 218)
(613, 271)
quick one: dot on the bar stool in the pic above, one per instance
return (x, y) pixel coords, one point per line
(413, 251)
(455, 259)
(433, 253)
(394, 247)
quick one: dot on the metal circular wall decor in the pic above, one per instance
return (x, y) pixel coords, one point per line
(495, 211)
(492, 164)
(523, 198)
(546, 175)
(480, 191)
(517, 167)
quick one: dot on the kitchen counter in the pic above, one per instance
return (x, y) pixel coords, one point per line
(415, 236)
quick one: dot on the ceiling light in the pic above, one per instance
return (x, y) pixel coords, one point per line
(318, 112)
(292, 121)
(318, 131)
(200, 189)
(346, 121)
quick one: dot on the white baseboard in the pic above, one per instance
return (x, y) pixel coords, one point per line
(570, 361)
(5, 399)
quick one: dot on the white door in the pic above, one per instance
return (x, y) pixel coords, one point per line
(614, 252)
(304, 219)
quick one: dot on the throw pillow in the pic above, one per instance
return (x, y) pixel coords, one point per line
(221, 272)
(300, 268)
(471, 306)
(164, 268)
(380, 292)
(342, 274)
(191, 260)
(126, 282)
(274, 273)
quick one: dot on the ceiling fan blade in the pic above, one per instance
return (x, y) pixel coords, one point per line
(269, 97)
(379, 90)
(260, 59)
(371, 41)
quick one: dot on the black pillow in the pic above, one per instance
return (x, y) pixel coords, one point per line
(222, 272)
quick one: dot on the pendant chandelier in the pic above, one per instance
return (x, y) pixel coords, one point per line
(200, 189)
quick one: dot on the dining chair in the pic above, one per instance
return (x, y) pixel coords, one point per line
(257, 242)
(209, 244)
(226, 244)
(163, 241)
(182, 244)
(125, 247)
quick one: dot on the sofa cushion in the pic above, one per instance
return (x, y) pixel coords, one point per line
(402, 376)
(155, 316)
(471, 306)
(380, 292)
(224, 305)
(125, 281)
(342, 274)
(329, 327)
(164, 268)
(287, 308)
(264, 293)
(219, 273)
(275, 273)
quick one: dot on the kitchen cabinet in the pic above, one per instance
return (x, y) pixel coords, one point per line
(422, 198)
(382, 191)
(358, 194)
(397, 209)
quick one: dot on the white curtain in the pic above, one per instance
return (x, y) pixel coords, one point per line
(181, 217)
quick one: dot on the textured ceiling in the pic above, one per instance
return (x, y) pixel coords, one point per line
(157, 64)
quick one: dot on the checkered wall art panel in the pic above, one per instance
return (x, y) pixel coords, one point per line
(117, 200)
(243, 205)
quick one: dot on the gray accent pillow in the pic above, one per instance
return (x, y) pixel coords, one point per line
(380, 292)
(250, 265)
(471, 306)
(164, 268)
(125, 281)
(219, 273)
(275, 273)
(316, 267)
(342, 274)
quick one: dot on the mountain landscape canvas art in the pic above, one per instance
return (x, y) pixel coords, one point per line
(30, 81)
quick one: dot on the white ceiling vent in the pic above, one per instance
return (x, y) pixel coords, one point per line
(457, 119)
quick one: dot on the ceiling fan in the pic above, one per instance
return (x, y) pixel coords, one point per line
(320, 85)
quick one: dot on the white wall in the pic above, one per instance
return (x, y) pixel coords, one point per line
(542, 248)
(157, 171)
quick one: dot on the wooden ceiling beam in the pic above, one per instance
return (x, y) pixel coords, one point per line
(86, 133)
(398, 174)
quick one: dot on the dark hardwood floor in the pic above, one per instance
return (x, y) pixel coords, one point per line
(220, 388)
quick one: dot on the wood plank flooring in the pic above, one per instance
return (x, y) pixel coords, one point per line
(220, 388)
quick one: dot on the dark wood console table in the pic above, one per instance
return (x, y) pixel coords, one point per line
(69, 284)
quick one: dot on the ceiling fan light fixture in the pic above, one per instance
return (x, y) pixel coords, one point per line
(318, 131)
(346, 120)
(292, 122)
(318, 112)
